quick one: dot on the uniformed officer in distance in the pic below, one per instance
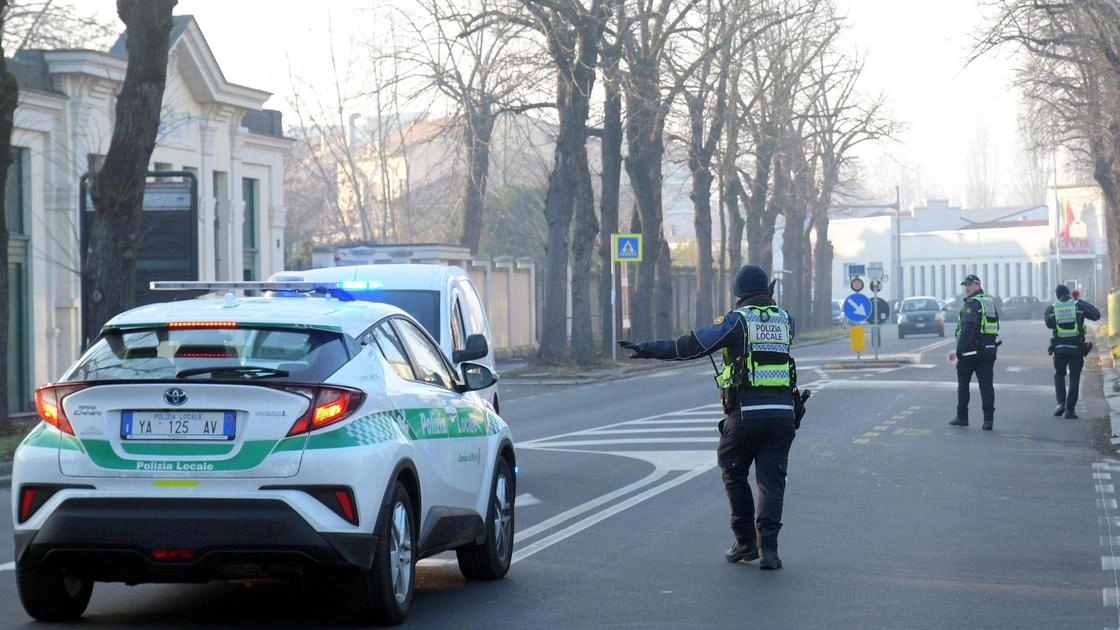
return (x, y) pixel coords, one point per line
(757, 388)
(977, 328)
(1066, 318)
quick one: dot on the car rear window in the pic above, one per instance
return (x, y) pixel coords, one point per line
(919, 305)
(307, 356)
(422, 305)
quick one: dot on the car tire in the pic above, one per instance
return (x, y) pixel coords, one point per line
(384, 591)
(491, 559)
(49, 595)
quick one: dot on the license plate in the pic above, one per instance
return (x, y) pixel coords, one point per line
(178, 425)
(920, 324)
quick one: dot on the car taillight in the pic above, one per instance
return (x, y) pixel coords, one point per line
(48, 402)
(328, 406)
(31, 498)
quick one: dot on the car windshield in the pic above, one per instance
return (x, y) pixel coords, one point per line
(422, 305)
(242, 353)
(919, 305)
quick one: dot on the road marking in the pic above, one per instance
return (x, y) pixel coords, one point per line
(8, 566)
(1102, 476)
(581, 525)
(525, 499)
(1110, 563)
(1105, 488)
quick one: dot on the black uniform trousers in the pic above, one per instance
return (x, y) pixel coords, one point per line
(982, 366)
(1073, 361)
(765, 442)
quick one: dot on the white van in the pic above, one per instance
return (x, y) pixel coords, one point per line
(441, 297)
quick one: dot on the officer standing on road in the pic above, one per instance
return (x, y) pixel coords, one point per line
(977, 327)
(760, 401)
(1066, 318)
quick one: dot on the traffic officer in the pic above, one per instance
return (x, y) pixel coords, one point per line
(1066, 318)
(757, 389)
(977, 327)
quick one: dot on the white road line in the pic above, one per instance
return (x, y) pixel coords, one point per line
(579, 526)
(525, 499)
(707, 428)
(8, 566)
(590, 505)
(1110, 563)
(569, 443)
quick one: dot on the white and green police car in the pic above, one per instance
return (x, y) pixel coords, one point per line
(288, 435)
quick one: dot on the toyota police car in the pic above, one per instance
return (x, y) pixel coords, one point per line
(261, 437)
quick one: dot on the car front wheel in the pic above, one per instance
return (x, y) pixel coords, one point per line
(491, 559)
(49, 595)
(384, 591)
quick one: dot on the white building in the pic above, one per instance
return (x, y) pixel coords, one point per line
(63, 125)
(1014, 251)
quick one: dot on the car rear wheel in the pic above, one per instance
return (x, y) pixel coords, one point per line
(49, 595)
(384, 592)
(491, 559)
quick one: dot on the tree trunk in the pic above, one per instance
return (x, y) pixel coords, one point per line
(576, 77)
(610, 184)
(480, 127)
(699, 162)
(118, 188)
(9, 97)
(643, 165)
(760, 241)
(583, 245)
(663, 314)
(822, 276)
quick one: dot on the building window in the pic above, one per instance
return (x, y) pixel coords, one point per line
(250, 195)
(18, 387)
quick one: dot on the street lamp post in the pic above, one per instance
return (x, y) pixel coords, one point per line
(898, 243)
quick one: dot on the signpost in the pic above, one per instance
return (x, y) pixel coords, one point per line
(624, 248)
(857, 307)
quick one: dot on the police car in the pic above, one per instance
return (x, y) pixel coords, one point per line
(278, 436)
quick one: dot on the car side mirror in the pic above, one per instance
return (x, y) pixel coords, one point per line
(477, 377)
(476, 349)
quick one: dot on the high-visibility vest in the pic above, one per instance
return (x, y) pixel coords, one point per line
(989, 316)
(766, 362)
(1066, 325)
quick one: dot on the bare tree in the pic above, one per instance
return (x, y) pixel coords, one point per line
(487, 68)
(1073, 74)
(610, 147)
(118, 187)
(981, 168)
(572, 35)
(55, 24)
(9, 98)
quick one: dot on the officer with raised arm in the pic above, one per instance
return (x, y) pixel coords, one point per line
(1066, 318)
(761, 404)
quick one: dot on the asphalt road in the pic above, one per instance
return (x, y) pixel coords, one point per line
(893, 519)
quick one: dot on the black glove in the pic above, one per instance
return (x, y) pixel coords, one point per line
(1086, 348)
(635, 348)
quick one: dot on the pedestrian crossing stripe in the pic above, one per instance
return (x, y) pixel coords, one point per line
(626, 247)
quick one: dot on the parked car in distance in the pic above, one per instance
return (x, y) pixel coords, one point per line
(951, 308)
(920, 315)
(1022, 307)
(837, 313)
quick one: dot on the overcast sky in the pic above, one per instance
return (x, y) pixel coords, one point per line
(916, 52)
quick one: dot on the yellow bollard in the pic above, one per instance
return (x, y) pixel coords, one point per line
(1113, 313)
(855, 335)
(1114, 322)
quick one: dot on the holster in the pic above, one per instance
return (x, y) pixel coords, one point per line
(799, 399)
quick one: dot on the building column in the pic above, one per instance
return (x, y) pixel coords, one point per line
(235, 247)
(207, 248)
(272, 249)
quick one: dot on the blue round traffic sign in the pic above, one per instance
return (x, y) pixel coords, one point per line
(857, 307)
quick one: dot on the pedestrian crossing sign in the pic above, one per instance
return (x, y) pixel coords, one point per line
(626, 247)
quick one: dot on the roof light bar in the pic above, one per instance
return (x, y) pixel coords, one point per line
(203, 285)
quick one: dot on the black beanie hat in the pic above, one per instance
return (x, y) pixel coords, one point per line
(1061, 291)
(750, 280)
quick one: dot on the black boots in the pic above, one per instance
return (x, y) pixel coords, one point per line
(739, 551)
(958, 422)
(1060, 409)
(770, 559)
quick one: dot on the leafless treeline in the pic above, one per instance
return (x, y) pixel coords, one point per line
(761, 97)
(1071, 77)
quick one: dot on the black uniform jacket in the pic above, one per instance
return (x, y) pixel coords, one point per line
(970, 341)
(728, 331)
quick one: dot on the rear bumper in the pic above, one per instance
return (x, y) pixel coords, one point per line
(113, 540)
